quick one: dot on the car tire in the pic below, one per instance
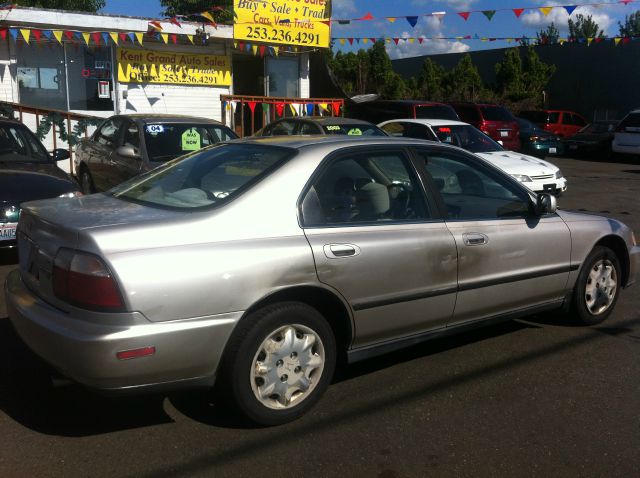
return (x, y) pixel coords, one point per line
(278, 363)
(598, 287)
(86, 182)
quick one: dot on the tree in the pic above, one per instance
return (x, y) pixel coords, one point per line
(548, 36)
(222, 10)
(584, 27)
(509, 75)
(74, 5)
(464, 82)
(429, 82)
(631, 26)
(536, 75)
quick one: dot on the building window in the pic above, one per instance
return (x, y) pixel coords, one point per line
(41, 80)
(283, 77)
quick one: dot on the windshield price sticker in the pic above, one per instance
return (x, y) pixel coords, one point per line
(155, 128)
(190, 140)
(355, 132)
(333, 127)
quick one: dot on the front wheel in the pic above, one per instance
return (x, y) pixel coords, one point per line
(598, 286)
(278, 363)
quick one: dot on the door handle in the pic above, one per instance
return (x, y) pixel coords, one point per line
(475, 239)
(338, 251)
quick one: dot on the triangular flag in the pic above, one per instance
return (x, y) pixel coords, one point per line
(342, 41)
(489, 14)
(391, 19)
(276, 50)
(165, 37)
(420, 40)
(175, 21)
(265, 108)
(464, 15)
(252, 106)
(254, 49)
(87, 37)
(139, 36)
(69, 35)
(156, 25)
(190, 38)
(350, 41)
(241, 45)
(324, 106)
(626, 40)
(412, 21)
(279, 108)
(293, 109)
(48, 34)
(570, 9)
(336, 108)
(368, 16)
(58, 35)
(25, 34)
(309, 109)
(114, 37)
(373, 40)
(365, 40)
(105, 38)
(3, 34)
(396, 40)
(412, 40)
(617, 40)
(208, 16)
(545, 10)
(96, 37)
(37, 34)
(589, 41)
(598, 40)
(174, 38)
(14, 33)
(518, 12)
(262, 48)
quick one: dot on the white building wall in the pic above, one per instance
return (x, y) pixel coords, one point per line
(305, 84)
(7, 71)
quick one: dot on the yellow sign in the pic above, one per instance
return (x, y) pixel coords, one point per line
(190, 140)
(149, 66)
(287, 22)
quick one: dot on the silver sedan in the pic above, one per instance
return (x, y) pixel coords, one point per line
(250, 266)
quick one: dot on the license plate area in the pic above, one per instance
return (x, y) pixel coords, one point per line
(504, 133)
(549, 187)
(552, 150)
(8, 231)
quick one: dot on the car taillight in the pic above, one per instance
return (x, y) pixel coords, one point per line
(484, 128)
(84, 280)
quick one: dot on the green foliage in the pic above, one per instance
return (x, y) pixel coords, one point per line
(536, 74)
(73, 5)
(220, 9)
(631, 26)
(463, 83)
(509, 75)
(584, 27)
(548, 36)
(430, 81)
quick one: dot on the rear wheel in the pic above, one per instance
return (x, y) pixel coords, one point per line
(86, 183)
(278, 363)
(598, 286)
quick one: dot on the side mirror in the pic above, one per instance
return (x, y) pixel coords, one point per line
(546, 204)
(128, 152)
(59, 154)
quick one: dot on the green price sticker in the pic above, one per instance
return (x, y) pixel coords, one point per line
(355, 132)
(190, 140)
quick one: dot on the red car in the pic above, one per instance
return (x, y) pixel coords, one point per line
(494, 120)
(558, 122)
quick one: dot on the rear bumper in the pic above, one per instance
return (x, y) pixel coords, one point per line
(85, 351)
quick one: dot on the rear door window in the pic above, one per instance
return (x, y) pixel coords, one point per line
(468, 113)
(496, 113)
(631, 124)
(554, 117)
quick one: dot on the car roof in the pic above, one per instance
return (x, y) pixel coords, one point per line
(303, 142)
(334, 120)
(428, 122)
(168, 118)
(405, 102)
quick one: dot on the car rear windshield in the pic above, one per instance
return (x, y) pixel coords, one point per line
(436, 112)
(167, 141)
(496, 113)
(539, 117)
(353, 129)
(466, 137)
(19, 145)
(207, 178)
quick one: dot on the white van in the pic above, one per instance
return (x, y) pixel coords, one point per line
(626, 138)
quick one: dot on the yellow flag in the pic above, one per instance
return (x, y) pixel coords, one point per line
(86, 37)
(208, 16)
(546, 10)
(139, 37)
(276, 50)
(342, 41)
(391, 19)
(165, 37)
(412, 40)
(58, 35)
(365, 40)
(190, 38)
(617, 40)
(254, 48)
(25, 34)
(589, 40)
(114, 37)
(324, 106)
(293, 110)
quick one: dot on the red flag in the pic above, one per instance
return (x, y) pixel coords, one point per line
(3, 33)
(261, 48)
(175, 21)
(37, 34)
(241, 46)
(598, 40)
(174, 38)
(96, 37)
(626, 40)
(68, 34)
(368, 16)
(464, 15)
(123, 36)
(252, 106)
(420, 40)
(350, 41)
(279, 108)
(518, 11)
(336, 108)
(396, 40)
(373, 40)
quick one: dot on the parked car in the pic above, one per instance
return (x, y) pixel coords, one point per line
(381, 110)
(559, 122)
(319, 125)
(536, 141)
(626, 138)
(127, 145)
(255, 263)
(493, 120)
(537, 174)
(592, 140)
(27, 172)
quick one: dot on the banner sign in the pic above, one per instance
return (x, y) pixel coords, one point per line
(286, 22)
(149, 66)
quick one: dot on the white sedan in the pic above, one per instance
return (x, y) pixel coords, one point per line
(536, 174)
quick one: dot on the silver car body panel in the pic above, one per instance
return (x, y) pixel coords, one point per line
(189, 277)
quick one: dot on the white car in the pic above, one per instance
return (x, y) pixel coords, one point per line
(537, 174)
(626, 138)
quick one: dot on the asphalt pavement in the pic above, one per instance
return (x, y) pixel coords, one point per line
(533, 397)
